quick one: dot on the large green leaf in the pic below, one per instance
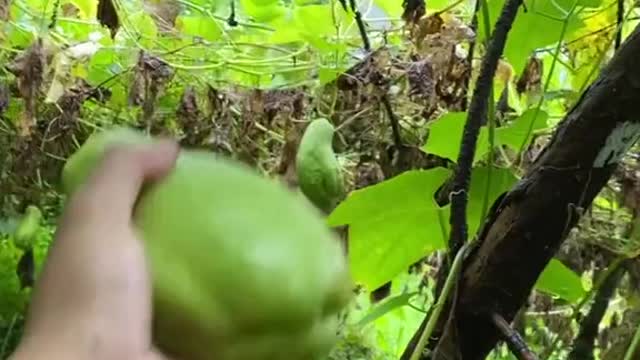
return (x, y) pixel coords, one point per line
(501, 181)
(445, 135)
(536, 26)
(521, 129)
(317, 24)
(199, 26)
(559, 280)
(263, 11)
(140, 29)
(103, 65)
(392, 224)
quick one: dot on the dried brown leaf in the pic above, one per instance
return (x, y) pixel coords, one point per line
(369, 71)
(164, 13)
(367, 174)
(69, 10)
(108, 16)
(427, 26)
(413, 10)
(188, 111)
(287, 166)
(504, 72)
(4, 97)
(73, 98)
(150, 76)
(5, 10)
(421, 77)
(137, 89)
(531, 78)
(288, 103)
(29, 67)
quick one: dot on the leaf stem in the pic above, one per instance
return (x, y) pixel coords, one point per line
(437, 308)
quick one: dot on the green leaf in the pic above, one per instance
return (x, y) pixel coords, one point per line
(315, 24)
(103, 65)
(143, 27)
(393, 224)
(329, 74)
(315, 19)
(559, 280)
(87, 8)
(534, 28)
(502, 180)
(445, 136)
(263, 11)
(393, 8)
(18, 37)
(286, 32)
(199, 26)
(386, 306)
(517, 133)
(8, 225)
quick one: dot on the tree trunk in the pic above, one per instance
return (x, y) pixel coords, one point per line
(585, 342)
(526, 229)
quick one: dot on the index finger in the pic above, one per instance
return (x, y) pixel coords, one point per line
(113, 187)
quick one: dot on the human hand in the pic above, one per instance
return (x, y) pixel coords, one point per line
(93, 298)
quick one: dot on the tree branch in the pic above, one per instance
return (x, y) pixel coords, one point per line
(527, 226)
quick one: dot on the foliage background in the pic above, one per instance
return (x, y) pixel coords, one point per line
(181, 68)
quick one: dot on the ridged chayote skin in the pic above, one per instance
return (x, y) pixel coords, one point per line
(319, 174)
(242, 269)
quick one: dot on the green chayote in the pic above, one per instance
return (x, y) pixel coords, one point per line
(27, 228)
(242, 269)
(319, 174)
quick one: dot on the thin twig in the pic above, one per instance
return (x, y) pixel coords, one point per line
(395, 126)
(393, 119)
(619, 20)
(477, 112)
(514, 340)
(440, 304)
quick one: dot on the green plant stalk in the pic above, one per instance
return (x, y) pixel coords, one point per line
(563, 33)
(490, 116)
(5, 341)
(633, 347)
(443, 226)
(437, 309)
(221, 18)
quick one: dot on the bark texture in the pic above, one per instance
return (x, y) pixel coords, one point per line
(530, 223)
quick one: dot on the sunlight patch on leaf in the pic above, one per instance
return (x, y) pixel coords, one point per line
(558, 280)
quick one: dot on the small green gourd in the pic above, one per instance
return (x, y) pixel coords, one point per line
(320, 176)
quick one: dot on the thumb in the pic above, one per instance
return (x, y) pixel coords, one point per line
(114, 185)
